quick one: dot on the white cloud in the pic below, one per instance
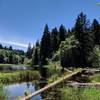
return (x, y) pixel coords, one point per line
(14, 43)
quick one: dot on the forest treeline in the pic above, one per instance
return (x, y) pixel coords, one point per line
(8, 55)
(75, 47)
(78, 46)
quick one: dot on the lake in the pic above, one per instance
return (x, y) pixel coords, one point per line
(12, 67)
(16, 90)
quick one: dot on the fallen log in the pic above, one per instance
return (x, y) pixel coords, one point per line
(49, 86)
(83, 84)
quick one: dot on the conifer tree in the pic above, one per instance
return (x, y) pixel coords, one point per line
(35, 57)
(54, 40)
(86, 39)
(62, 33)
(10, 48)
(1, 47)
(37, 43)
(29, 52)
(45, 49)
(80, 26)
(96, 31)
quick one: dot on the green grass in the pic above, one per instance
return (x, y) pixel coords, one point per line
(53, 68)
(19, 76)
(87, 93)
(54, 71)
(6, 65)
(2, 94)
(95, 78)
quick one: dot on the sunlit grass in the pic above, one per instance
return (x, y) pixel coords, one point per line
(83, 93)
(17, 76)
(2, 94)
(95, 78)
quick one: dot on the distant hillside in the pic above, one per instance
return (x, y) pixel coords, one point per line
(14, 46)
(10, 55)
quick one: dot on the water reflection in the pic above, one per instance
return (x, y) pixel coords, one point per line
(15, 67)
(15, 90)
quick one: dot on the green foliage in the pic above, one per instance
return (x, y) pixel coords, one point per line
(69, 43)
(74, 48)
(35, 57)
(62, 33)
(95, 78)
(96, 31)
(27, 61)
(11, 56)
(56, 56)
(54, 40)
(80, 26)
(29, 52)
(78, 48)
(26, 93)
(19, 76)
(2, 94)
(72, 93)
(69, 52)
(53, 69)
(45, 49)
(87, 46)
(86, 39)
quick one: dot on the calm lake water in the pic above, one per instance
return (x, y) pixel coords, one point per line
(14, 67)
(15, 90)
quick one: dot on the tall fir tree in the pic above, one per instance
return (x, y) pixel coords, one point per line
(35, 57)
(86, 39)
(87, 46)
(37, 43)
(80, 26)
(29, 52)
(1, 58)
(62, 33)
(10, 48)
(11, 56)
(54, 40)
(45, 49)
(1, 47)
(96, 30)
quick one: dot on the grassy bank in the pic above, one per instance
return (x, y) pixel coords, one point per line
(54, 71)
(18, 76)
(53, 68)
(87, 93)
(2, 94)
(95, 78)
(7, 65)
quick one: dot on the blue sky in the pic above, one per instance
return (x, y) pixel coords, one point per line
(22, 21)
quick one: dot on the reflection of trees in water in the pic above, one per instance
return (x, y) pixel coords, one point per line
(53, 93)
(36, 85)
(28, 85)
(42, 83)
(43, 71)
